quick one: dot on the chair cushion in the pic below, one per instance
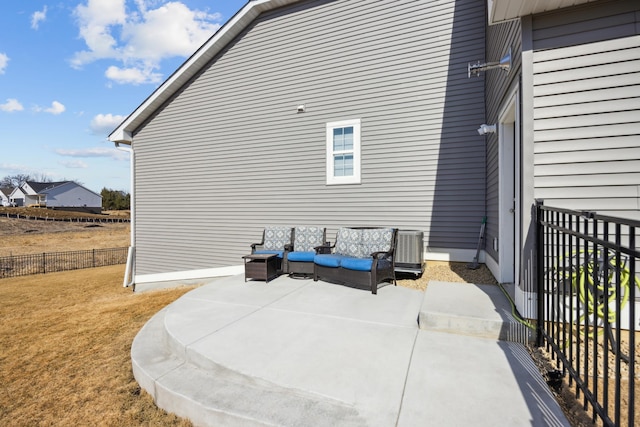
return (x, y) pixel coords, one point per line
(307, 238)
(328, 260)
(262, 251)
(359, 264)
(376, 240)
(301, 256)
(349, 242)
(276, 237)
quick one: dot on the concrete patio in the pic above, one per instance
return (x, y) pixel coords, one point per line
(295, 352)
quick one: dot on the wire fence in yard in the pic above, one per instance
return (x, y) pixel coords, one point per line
(94, 220)
(50, 262)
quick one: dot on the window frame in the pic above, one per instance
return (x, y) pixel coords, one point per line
(341, 180)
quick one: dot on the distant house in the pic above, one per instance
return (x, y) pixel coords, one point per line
(61, 195)
(16, 198)
(5, 196)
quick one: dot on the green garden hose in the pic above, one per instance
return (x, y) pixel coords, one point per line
(514, 310)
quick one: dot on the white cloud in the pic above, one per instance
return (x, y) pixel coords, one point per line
(55, 109)
(133, 76)
(105, 123)
(37, 17)
(11, 105)
(112, 153)
(74, 164)
(4, 60)
(14, 169)
(95, 20)
(170, 30)
(140, 38)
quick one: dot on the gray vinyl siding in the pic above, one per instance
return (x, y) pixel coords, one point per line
(586, 74)
(498, 86)
(72, 195)
(234, 154)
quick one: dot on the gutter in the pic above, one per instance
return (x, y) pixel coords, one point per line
(129, 273)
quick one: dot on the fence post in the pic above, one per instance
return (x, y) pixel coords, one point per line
(539, 272)
(44, 262)
(94, 258)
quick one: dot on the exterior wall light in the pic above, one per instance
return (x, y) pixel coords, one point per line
(485, 129)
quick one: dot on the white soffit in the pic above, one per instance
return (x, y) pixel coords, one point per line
(124, 132)
(505, 10)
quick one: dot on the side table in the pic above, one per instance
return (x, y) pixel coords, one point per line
(260, 267)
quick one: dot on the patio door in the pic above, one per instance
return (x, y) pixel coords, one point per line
(509, 190)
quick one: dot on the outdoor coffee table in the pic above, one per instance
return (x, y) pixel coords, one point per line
(260, 267)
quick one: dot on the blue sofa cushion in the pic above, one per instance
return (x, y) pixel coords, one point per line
(276, 237)
(301, 256)
(328, 260)
(262, 251)
(358, 264)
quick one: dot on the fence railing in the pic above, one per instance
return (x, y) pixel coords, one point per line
(49, 262)
(588, 291)
(95, 220)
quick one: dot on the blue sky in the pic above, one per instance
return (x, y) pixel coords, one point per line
(72, 70)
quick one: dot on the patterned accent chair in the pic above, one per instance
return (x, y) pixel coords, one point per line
(274, 240)
(298, 258)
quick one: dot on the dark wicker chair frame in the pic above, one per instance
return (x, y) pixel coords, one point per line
(361, 279)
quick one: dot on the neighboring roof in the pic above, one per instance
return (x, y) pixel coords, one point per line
(6, 191)
(39, 187)
(505, 10)
(124, 132)
(70, 183)
(45, 187)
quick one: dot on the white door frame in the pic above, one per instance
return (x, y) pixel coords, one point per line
(509, 189)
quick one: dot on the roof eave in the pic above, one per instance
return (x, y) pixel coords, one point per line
(507, 10)
(124, 132)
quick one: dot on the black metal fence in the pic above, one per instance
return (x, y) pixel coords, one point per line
(588, 290)
(23, 265)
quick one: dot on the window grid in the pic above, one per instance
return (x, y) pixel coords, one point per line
(343, 152)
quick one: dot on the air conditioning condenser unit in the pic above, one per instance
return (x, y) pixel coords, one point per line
(409, 256)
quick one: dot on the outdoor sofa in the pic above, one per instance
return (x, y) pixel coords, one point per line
(361, 257)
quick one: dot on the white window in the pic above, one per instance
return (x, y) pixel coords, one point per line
(343, 152)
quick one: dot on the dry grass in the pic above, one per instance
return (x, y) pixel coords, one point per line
(66, 237)
(65, 341)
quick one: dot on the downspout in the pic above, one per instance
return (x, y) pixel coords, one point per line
(129, 272)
